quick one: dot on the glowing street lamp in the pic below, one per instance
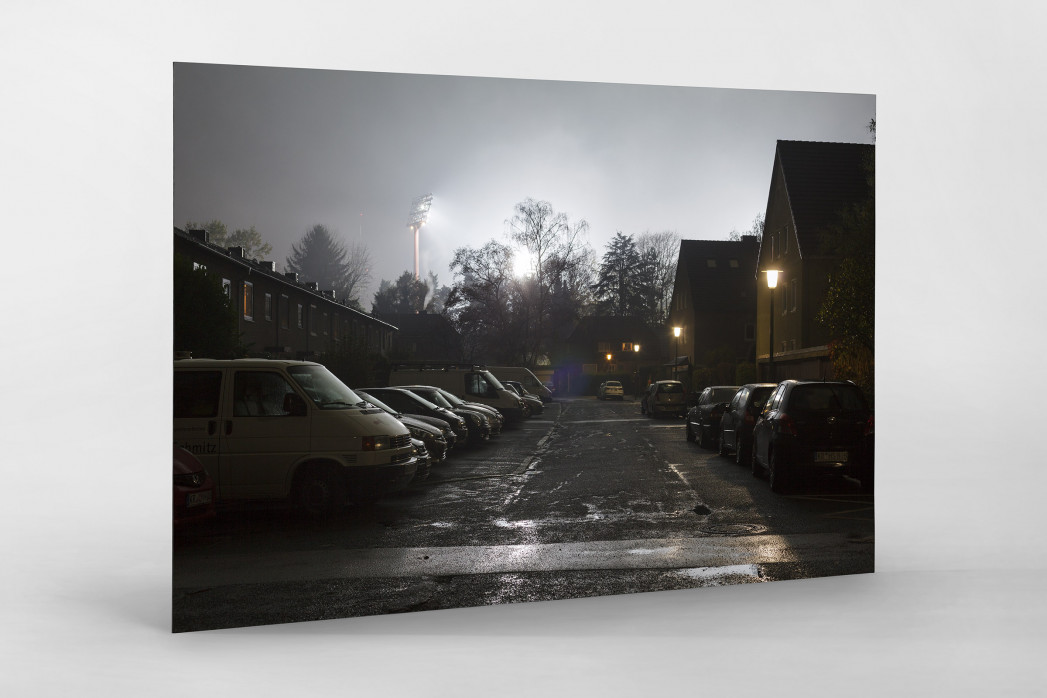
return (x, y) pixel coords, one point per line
(772, 283)
(418, 216)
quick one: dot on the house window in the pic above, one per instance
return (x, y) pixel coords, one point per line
(248, 301)
(627, 346)
(325, 323)
(199, 267)
(711, 263)
(793, 293)
(603, 347)
(750, 332)
(269, 307)
(285, 312)
(301, 317)
(312, 320)
(733, 264)
(227, 289)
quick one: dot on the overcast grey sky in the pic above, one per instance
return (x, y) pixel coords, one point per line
(282, 149)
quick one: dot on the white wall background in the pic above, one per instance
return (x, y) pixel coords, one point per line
(85, 164)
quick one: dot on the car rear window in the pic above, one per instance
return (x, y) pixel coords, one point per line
(826, 397)
(671, 388)
(722, 394)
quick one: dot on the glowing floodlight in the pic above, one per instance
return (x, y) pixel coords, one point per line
(416, 218)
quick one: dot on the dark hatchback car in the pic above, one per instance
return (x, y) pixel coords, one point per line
(703, 419)
(736, 425)
(406, 402)
(478, 421)
(812, 428)
(534, 403)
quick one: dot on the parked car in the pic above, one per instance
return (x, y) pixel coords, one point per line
(528, 380)
(478, 420)
(610, 390)
(534, 403)
(425, 463)
(814, 427)
(287, 430)
(434, 433)
(664, 397)
(703, 419)
(406, 402)
(473, 383)
(193, 490)
(736, 425)
(497, 418)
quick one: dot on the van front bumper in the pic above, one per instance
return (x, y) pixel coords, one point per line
(380, 479)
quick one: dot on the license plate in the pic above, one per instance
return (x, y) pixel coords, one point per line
(197, 498)
(830, 456)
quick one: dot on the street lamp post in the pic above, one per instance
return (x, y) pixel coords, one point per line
(636, 368)
(676, 349)
(772, 283)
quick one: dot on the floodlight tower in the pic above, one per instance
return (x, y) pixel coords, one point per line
(418, 217)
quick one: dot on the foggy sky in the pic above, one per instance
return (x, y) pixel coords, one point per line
(283, 149)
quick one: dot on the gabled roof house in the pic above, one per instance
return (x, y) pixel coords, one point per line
(812, 183)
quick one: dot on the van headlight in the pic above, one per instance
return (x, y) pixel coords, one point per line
(417, 433)
(375, 443)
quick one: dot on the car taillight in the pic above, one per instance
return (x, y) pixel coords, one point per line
(786, 423)
(869, 426)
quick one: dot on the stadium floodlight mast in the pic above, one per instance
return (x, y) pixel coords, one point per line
(418, 217)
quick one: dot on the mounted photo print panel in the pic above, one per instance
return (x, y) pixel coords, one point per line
(449, 341)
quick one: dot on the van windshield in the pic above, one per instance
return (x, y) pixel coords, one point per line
(324, 388)
(492, 381)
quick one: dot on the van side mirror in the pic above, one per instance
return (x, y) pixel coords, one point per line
(294, 405)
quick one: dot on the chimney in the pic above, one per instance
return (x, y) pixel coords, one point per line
(236, 252)
(329, 292)
(201, 235)
(291, 276)
(268, 266)
(312, 285)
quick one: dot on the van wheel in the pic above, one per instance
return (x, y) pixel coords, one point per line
(319, 491)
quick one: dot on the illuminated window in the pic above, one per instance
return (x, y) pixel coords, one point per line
(711, 263)
(248, 301)
(227, 289)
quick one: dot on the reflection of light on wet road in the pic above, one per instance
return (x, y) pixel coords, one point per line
(715, 576)
(646, 554)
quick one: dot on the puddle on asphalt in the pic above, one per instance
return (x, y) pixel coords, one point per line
(719, 574)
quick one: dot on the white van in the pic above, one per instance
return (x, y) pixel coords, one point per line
(473, 383)
(267, 429)
(529, 381)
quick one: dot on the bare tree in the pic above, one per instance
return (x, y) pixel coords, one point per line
(661, 252)
(555, 246)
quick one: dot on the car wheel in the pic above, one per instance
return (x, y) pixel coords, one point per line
(775, 476)
(722, 445)
(319, 492)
